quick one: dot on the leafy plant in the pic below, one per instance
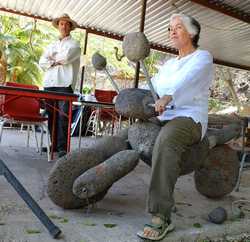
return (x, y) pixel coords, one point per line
(110, 225)
(197, 225)
(88, 223)
(22, 42)
(86, 90)
(214, 104)
(33, 231)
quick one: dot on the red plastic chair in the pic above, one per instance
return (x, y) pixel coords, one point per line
(103, 116)
(23, 110)
(106, 96)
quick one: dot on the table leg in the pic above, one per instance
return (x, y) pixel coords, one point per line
(97, 120)
(69, 125)
(80, 128)
(53, 131)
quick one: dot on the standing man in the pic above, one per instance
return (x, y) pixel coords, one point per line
(61, 61)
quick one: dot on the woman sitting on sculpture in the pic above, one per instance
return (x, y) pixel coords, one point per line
(182, 82)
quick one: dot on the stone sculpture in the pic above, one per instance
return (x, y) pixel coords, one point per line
(84, 177)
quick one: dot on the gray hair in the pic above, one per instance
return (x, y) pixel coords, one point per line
(192, 25)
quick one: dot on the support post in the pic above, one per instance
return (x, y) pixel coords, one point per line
(142, 24)
(84, 53)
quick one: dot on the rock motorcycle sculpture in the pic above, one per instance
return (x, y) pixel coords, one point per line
(84, 177)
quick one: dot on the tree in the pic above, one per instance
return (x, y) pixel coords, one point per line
(21, 45)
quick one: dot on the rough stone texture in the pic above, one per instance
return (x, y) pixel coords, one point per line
(217, 215)
(99, 178)
(218, 175)
(133, 102)
(98, 61)
(136, 46)
(195, 157)
(221, 136)
(218, 121)
(142, 136)
(123, 134)
(68, 168)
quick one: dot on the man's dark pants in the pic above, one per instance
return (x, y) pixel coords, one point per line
(61, 120)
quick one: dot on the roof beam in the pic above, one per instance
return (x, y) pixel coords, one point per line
(230, 64)
(225, 9)
(107, 34)
(170, 50)
(88, 29)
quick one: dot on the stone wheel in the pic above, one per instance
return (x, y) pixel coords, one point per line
(218, 176)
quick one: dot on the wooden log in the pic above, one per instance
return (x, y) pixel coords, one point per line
(218, 175)
(99, 178)
(68, 168)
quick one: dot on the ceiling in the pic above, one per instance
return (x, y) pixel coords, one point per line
(225, 23)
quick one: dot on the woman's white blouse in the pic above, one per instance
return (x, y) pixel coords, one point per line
(187, 79)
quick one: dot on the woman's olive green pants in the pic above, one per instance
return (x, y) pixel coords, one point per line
(175, 137)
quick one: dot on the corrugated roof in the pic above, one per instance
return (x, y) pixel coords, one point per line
(226, 37)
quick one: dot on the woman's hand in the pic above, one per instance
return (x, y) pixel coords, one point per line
(160, 104)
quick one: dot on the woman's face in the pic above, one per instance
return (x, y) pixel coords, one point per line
(179, 35)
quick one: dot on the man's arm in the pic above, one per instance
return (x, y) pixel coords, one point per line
(68, 56)
(46, 61)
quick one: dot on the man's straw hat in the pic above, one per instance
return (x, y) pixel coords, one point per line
(66, 17)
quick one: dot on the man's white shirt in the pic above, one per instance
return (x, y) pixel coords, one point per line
(66, 51)
(187, 80)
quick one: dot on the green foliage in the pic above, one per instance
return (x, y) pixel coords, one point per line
(214, 104)
(22, 44)
(152, 60)
(59, 218)
(33, 231)
(53, 216)
(86, 90)
(22, 41)
(106, 47)
(197, 225)
(89, 223)
(64, 220)
(110, 225)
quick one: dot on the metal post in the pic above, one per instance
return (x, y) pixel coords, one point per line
(84, 53)
(142, 24)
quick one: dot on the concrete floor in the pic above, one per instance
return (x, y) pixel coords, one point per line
(123, 207)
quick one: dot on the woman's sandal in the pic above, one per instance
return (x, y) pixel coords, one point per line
(162, 230)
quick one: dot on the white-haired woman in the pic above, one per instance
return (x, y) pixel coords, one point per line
(184, 83)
